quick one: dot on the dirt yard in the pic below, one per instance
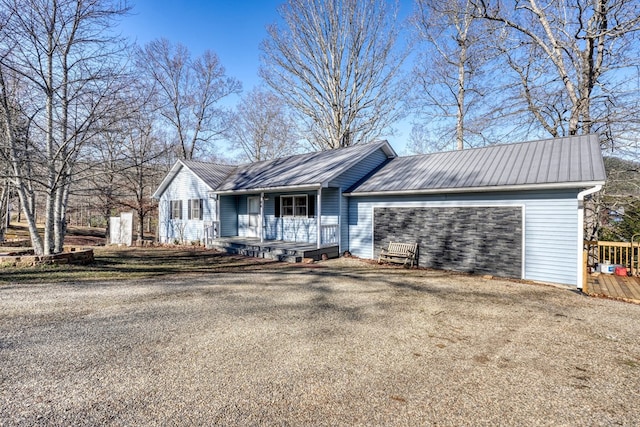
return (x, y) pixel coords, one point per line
(234, 341)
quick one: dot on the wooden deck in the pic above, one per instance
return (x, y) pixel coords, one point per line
(616, 287)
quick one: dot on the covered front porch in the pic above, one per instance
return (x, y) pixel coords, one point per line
(278, 250)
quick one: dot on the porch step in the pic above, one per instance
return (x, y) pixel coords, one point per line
(284, 255)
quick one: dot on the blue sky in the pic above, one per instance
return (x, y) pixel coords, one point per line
(231, 29)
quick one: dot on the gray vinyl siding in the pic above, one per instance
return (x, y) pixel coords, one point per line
(350, 178)
(330, 204)
(243, 217)
(289, 228)
(550, 229)
(359, 170)
(184, 186)
(344, 223)
(228, 216)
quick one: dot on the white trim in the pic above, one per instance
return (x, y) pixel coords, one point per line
(488, 189)
(523, 256)
(318, 213)
(312, 187)
(293, 196)
(340, 220)
(581, 195)
(418, 204)
(261, 223)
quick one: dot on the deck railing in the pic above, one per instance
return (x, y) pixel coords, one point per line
(329, 235)
(618, 253)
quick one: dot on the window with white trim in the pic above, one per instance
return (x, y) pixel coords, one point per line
(176, 209)
(195, 208)
(295, 206)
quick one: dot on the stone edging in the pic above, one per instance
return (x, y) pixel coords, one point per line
(71, 255)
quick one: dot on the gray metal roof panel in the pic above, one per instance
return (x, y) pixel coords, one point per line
(301, 170)
(575, 159)
(211, 173)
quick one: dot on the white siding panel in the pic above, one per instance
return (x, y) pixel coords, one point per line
(185, 186)
(550, 230)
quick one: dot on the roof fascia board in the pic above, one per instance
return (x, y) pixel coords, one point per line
(495, 188)
(268, 189)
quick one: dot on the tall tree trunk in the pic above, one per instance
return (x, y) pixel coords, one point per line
(28, 204)
(140, 225)
(4, 208)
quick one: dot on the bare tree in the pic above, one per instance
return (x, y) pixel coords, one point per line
(189, 92)
(64, 56)
(263, 128)
(336, 64)
(143, 169)
(453, 75)
(102, 175)
(576, 61)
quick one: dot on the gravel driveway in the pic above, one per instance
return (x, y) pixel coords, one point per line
(337, 343)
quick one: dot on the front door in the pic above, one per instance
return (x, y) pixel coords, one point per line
(253, 210)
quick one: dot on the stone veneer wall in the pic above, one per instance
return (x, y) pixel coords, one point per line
(481, 240)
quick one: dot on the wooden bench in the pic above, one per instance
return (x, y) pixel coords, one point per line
(399, 253)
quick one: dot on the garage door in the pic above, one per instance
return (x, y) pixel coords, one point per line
(480, 240)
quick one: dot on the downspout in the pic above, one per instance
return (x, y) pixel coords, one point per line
(580, 248)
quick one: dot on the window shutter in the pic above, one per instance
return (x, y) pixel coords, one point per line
(180, 215)
(201, 209)
(311, 206)
(170, 208)
(276, 200)
(189, 209)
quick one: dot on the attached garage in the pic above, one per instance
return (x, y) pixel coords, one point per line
(510, 210)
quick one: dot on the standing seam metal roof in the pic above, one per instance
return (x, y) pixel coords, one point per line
(575, 159)
(212, 174)
(302, 170)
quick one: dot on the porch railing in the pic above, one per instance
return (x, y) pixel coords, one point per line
(329, 234)
(211, 232)
(618, 253)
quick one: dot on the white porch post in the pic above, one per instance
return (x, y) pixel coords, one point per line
(340, 220)
(319, 217)
(261, 217)
(217, 225)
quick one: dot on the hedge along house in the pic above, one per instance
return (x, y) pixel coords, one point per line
(509, 210)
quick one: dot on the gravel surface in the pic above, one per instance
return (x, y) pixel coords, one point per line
(336, 343)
